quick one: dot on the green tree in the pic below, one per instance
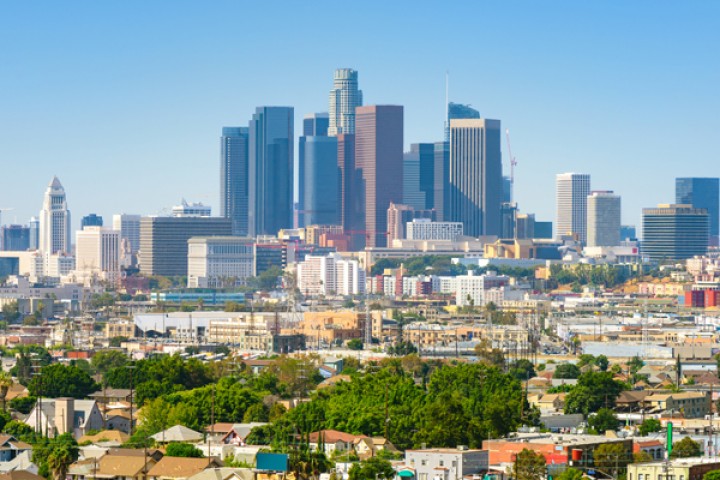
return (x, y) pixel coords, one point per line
(20, 430)
(650, 425)
(177, 449)
(643, 457)
(10, 311)
(105, 360)
(529, 465)
(118, 341)
(612, 458)
(58, 380)
(401, 349)
(267, 280)
(635, 364)
(567, 371)
(522, 369)
(593, 391)
(602, 362)
(687, 447)
(604, 420)
(373, 467)
(23, 404)
(54, 457)
(712, 475)
(571, 474)
(355, 344)
(6, 382)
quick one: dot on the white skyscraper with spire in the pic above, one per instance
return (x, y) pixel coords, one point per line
(54, 221)
(344, 98)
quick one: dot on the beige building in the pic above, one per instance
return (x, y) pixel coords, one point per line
(692, 468)
(247, 333)
(97, 255)
(335, 326)
(120, 328)
(690, 404)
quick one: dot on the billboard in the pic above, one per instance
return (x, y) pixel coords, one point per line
(275, 462)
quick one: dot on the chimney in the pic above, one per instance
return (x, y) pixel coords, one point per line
(64, 415)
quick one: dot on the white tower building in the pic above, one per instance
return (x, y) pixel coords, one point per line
(603, 219)
(98, 254)
(344, 97)
(572, 192)
(55, 220)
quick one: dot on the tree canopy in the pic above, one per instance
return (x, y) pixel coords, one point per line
(58, 380)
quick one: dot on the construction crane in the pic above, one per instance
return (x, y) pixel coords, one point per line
(513, 163)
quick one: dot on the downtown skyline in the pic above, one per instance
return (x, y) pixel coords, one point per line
(618, 100)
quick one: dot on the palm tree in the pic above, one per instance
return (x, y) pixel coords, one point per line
(63, 453)
(6, 382)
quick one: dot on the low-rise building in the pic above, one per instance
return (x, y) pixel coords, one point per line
(444, 463)
(692, 468)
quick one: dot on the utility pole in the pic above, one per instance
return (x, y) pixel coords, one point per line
(132, 397)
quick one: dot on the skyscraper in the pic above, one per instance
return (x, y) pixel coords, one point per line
(458, 111)
(441, 180)
(98, 253)
(475, 176)
(91, 220)
(603, 219)
(34, 226)
(572, 192)
(55, 220)
(674, 232)
(319, 181)
(234, 177)
(316, 125)
(350, 185)
(379, 157)
(701, 193)
(14, 238)
(270, 172)
(345, 97)
(419, 176)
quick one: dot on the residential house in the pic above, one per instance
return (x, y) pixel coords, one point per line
(217, 431)
(20, 475)
(177, 468)
(115, 437)
(366, 447)
(113, 467)
(23, 461)
(178, 433)
(333, 441)
(65, 415)
(224, 473)
(112, 395)
(10, 448)
(443, 463)
(239, 432)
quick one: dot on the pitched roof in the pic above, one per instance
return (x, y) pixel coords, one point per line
(178, 433)
(179, 467)
(122, 466)
(333, 436)
(105, 436)
(219, 427)
(224, 473)
(20, 475)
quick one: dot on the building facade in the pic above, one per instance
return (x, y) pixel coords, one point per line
(475, 176)
(379, 158)
(701, 193)
(164, 241)
(91, 220)
(98, 253)
(14, 238)
(220, 262)
(603, 219)
(425, 229)
(398, 216)
(345, 97)
(674, 232)
(419, 176)
(54, 234)
(572, 190)
(270, 171)
(318, 181)
(234, 144)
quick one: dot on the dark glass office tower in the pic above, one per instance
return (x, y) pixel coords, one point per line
(14, 238)
(91, 220)
(419, 176)
(441, 186)
(457, 111)
(674, 232)
(270, 171)
(319, 181)
(701, 193)
(475, 176)
(316, 125)
(234, 178)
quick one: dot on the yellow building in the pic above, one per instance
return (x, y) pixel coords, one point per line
(692, 468)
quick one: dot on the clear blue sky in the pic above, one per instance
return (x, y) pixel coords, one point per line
(124, 101)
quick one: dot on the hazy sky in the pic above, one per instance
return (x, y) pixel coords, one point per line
(125, 101)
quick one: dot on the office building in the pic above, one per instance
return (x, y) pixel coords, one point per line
(97, 255)
(507, 190)
(603, 219)
(398, 216)
(330, 275)
(54, 236)
(220, 262)
(628, 232)
(186, 209)
(316, 125)
(458, 111)
(91, 220)
(234, 177)
(379, 157)
(129, 227)
(426, 229)
(164, 241)
(318, 180)
(351, 204)
(477, 290)
(543, 230)
(441, 179)
(701, 193)
(674, 232)
(34, 226)
(270, 172)
(313, 233)
(14, 238)
(525, 226)
(345, 97)
(508, 219)
(419, 176)
(475, 176)
(571, 195)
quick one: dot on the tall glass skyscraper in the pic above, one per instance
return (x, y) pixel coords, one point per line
(701, 193)
(234, 177)
(270, 170)
(344, 98)
(674, 232)
(419, 176)
(475, 176)
(458, 111)
(318, 174)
